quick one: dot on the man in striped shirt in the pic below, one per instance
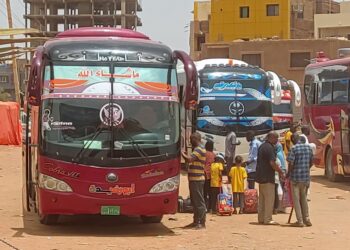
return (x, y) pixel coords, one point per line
(196, 179)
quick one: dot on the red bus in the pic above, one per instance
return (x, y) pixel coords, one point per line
(103, 108)
(326, 111)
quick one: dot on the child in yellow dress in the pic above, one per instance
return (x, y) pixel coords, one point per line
(237, 177)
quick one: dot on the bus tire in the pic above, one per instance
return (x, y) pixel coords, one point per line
(151, 219)
(329, 170)
(49, 219)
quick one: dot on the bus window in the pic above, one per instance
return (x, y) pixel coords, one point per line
(309, 89)
(340, 91)
(325, 93)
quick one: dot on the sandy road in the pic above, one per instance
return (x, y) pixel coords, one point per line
(330, 214)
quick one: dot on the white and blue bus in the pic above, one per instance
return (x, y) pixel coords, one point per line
(234, 96)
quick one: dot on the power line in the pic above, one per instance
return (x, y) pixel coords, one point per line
(21, 2)
(19, 20)
(3, 12)
(3, 5)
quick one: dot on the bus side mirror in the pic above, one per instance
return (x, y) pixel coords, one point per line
(191, 88)
(35, 78)
(275, 82)
(297, 92)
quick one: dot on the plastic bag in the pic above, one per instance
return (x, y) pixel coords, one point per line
(226, 189)
(280, 191)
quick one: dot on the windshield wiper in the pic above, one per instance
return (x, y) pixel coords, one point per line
(81, 152)
(136, 146)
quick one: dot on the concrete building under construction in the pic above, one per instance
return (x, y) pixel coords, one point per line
(52, 16)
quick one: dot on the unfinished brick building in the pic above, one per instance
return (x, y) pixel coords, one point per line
(52, 16)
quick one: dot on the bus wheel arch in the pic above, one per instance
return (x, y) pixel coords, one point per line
(329, 168)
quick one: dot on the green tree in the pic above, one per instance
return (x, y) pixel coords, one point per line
(4, 96)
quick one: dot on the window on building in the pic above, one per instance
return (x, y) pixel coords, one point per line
(325, 93)
(200, 42)
(272, 10)
(300, 13)
(299, 59)
(348, 36)
(244, 12)
(4, 79)
(340, 91)
(253, 59)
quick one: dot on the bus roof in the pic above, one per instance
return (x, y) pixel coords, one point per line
(345, 60)
(102, 32)
(218, 61)
(112, 42)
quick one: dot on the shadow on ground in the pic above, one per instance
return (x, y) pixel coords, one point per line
(92, 225)
(344, 185)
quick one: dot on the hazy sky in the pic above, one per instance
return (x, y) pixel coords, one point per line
(163, 20)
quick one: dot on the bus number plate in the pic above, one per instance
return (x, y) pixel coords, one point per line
(110, 210)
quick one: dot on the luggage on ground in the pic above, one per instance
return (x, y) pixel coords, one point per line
(225, 200)
(251, 201)
(184, 205)
(287, 199)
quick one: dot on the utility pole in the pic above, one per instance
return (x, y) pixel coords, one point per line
(14, 60)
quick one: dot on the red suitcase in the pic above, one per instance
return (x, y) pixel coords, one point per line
(225, 200)
(251, 201)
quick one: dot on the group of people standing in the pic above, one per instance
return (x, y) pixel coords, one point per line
(266, 165)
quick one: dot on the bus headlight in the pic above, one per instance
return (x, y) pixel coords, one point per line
(53, 184)
(167, 185)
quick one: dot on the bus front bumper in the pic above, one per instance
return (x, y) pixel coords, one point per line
(51, 202)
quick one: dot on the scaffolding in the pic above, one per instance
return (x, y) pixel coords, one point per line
(52, 16)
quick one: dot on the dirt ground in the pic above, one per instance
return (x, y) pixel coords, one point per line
(329, 208)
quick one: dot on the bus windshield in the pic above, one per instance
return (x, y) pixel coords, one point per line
(70, 124)
(81, 111)
(234, 98)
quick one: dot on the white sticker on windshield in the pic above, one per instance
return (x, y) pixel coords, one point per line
(92, 144)
(167, 137)
(117, 114)
(46, 120)
(118, 145)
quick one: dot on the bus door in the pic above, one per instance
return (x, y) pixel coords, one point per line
(31, 157)
(343, 160)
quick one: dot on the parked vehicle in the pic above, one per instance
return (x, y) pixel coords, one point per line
(104, 107)
(326, 111)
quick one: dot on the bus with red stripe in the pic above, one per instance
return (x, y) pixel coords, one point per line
(326, 111)
(103, 125)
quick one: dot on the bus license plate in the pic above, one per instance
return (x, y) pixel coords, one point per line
(110, 210)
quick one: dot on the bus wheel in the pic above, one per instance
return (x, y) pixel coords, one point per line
(151, 219)
(49, 219)
(329, 168)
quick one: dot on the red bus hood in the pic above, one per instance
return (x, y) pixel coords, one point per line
(93, 181)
